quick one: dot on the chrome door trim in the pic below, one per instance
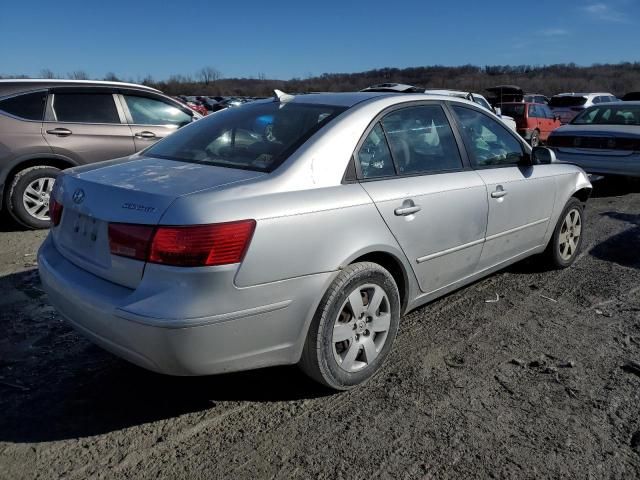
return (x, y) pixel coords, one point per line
(517, 229)
(449, 250)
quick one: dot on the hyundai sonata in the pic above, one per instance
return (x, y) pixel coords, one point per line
(230, 246)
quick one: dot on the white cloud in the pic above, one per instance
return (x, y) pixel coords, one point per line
(602, 11)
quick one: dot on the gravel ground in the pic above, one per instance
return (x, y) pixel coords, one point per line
(538, 384)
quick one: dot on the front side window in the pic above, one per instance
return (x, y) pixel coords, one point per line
(374, 155)
(149, 111)
(257, 136)
(85, 108)
(29, 106)
(490, 143)
(421, 140)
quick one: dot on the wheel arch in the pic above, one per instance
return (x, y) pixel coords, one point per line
(394, 266)
(22, 163)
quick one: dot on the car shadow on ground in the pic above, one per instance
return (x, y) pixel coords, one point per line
(624, 247)
(56, 385)
(615, 187)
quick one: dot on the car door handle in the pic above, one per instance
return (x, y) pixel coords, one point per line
(499, 192)
(145, 134)
(60, 132)
(407, 208)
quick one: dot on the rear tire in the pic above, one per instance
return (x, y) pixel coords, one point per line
(566, 240)
(354, 327)
(28, 198)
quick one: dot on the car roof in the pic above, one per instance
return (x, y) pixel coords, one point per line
(52, 82)
(581, 94)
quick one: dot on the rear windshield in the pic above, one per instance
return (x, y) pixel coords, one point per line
(257, 136)
(609, 115)
(567, 101)
(515, 110)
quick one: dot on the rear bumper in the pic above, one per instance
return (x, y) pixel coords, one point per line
(250, 336)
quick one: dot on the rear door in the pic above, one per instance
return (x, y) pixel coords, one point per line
(86, 125)
(520, 197)
(410, 165)
(152, 117)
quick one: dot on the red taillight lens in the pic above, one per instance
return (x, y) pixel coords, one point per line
(131, 241)
(202, 245)
(55, 211)
(189, 246)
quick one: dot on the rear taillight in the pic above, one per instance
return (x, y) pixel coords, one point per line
(202, 245)
(55, 211)
(131, 241)
(184, 246)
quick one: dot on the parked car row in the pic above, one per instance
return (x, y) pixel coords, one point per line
(205, 105)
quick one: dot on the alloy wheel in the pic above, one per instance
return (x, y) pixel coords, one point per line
(361, 328)
(569, 236)
(36, 197)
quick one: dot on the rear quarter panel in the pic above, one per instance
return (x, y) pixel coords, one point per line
(298, 232)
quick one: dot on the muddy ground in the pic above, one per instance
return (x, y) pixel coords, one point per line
(531, 386)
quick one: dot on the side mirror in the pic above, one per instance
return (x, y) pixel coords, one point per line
(556, 117)
(543, 156)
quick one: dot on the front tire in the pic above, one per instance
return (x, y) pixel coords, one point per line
(566, 240)
(28, 198)
(354, 327)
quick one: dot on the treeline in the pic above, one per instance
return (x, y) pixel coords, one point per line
(615, 78)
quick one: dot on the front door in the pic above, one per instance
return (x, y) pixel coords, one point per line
(411, 167)
(86, 127)
(520, 196)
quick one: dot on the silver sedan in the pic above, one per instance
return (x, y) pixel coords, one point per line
(299, 229)
(604, 139)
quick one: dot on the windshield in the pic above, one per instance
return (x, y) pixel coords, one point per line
(609, 115)
(258, 136)
(567, 101)
(515, 110)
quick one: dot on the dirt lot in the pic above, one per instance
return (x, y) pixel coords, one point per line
(533, 385)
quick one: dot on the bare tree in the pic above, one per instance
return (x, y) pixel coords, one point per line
(208, 75)
(111, 77)
(47, 73)
(78, 75)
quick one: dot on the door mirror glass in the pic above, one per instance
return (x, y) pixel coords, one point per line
(543, 156)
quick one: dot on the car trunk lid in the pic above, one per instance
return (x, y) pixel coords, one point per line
(133, 192)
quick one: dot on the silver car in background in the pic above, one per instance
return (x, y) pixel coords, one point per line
(604, 139)
(230, 246)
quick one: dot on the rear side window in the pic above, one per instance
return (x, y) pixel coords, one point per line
(29, 106)
(85, 108)
(149, 111)
(374, 155)
(533, 111)
(421, 140)
(489, 143)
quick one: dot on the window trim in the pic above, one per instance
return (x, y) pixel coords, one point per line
(526, 154)
(466, 165)
(50, 115)
(26, 92)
